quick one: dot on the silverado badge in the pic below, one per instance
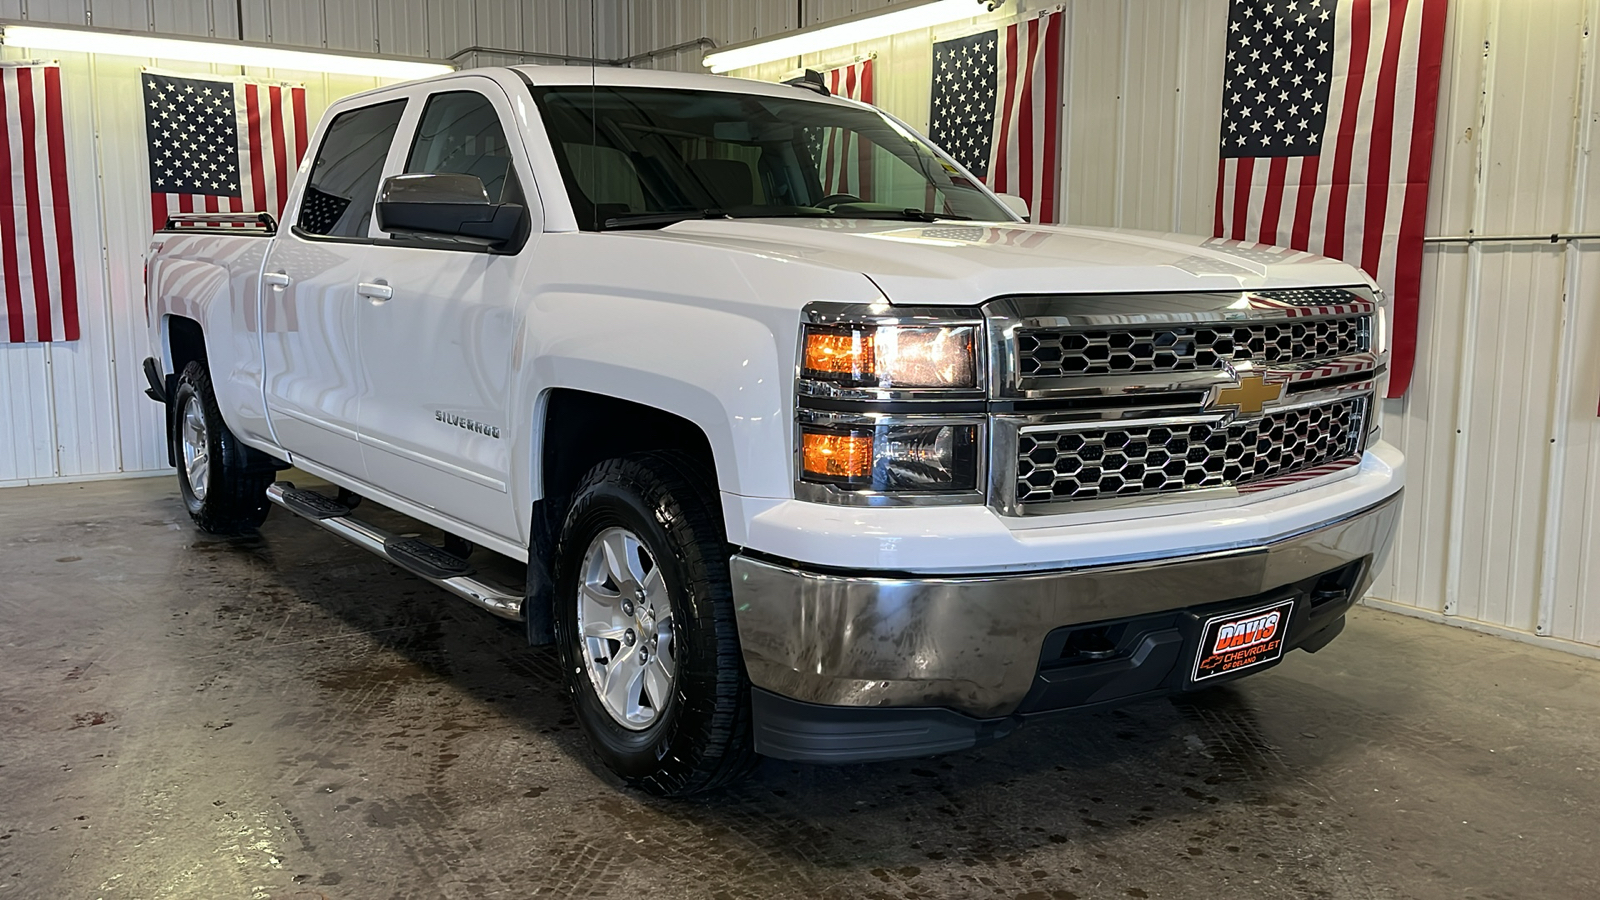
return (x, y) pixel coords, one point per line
(472, 425)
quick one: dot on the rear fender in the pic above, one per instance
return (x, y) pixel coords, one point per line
(212, 280)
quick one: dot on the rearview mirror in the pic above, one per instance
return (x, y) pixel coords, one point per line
(1016, 204)
(446, 205)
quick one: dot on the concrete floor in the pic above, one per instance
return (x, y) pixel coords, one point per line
(288, 717)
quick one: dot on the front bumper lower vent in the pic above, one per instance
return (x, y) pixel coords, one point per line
(1135, 459)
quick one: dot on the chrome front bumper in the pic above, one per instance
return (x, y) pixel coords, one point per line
(972, 644)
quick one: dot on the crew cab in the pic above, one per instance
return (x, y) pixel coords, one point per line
(793, 437)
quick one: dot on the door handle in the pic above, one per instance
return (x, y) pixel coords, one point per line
(376, 290)
(276, 279)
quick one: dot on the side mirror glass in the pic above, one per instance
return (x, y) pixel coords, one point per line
(1017, 205)
(446, 205)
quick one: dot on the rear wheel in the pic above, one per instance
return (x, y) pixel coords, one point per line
(645, 626)
(222, 495)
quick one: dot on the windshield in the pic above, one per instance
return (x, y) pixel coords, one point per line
(644, 157)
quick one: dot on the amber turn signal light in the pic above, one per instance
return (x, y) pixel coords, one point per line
(845, 354)
(835, 456)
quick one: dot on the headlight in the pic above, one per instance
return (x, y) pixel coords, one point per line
(892, 356)
(932, 458)
(891, 405)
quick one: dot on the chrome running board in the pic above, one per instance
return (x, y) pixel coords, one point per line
(375, 540)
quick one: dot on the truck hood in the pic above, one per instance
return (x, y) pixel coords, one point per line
(962, 263)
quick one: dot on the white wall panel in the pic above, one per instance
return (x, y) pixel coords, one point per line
(402, 28)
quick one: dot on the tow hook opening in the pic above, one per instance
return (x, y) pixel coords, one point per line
(1335, 586)
(1093, 643)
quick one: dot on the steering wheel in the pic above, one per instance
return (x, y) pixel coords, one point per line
(832, 200)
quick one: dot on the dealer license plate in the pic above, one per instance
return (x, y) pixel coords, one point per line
(1237, 641)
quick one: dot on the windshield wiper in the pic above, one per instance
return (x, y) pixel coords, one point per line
(910, 214)
(660, 220)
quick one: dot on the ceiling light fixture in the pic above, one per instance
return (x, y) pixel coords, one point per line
(853, 30)
(210, 50)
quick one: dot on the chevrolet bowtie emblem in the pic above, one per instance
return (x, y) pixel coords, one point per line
(1251, 396)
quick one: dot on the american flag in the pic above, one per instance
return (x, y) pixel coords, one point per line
(844, 161)
(221, 145)
(40, 278)
(997, 107)
(1328, 111)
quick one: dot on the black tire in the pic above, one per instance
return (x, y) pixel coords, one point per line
(234, 496)
(701, 740)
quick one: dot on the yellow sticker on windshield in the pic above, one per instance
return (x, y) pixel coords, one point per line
(949, 168)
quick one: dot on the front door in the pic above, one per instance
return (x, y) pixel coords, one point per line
(308, 294)
(438, 324)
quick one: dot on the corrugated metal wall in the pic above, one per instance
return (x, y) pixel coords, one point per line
(1502, 523)
(76, 410)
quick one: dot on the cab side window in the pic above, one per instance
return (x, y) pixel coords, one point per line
(460, 134)
(343, 186)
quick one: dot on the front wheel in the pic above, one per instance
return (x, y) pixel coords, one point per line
(645, 626)
(222, 495)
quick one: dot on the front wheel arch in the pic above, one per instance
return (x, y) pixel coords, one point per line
(578, 430)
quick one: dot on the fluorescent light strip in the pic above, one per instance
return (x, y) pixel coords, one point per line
(228, 53)
(867, 28)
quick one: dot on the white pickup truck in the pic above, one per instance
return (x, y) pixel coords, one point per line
(793, 437)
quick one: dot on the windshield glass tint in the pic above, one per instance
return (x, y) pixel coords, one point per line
(646, 151)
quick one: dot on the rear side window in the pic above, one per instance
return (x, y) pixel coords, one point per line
(460, 134)
(344, 179)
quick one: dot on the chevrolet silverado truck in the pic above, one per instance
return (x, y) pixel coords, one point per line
(793, 438)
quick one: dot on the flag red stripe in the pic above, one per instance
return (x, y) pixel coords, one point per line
(1382, 149)
(1277, 174)
(298, 98)
(1024, 178)
(1339, 193)
(30, 175)
(1052, 120)
(863, 149)
(997, 174)
(280, 150)
(1300, 237)
(8, 222)
(849, 137)
(56, 146)
(1222, 178)
(1414, 212)
(1241, 196)
(258, 177)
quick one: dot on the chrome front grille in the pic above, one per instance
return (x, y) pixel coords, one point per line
(1127, 459)
(1062, 352)
(1114, 400)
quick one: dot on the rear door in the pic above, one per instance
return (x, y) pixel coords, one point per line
(309, 331)
(439, 332)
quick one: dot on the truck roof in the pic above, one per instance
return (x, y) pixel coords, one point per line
(613, 76)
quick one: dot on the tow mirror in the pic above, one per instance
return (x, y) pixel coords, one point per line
(1017, 205)
(446, 205)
